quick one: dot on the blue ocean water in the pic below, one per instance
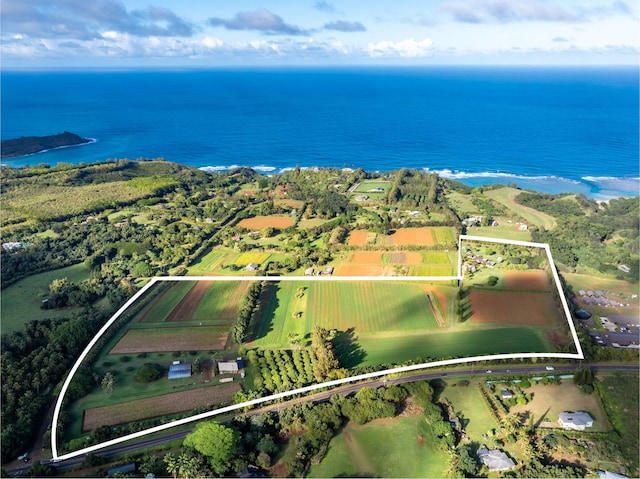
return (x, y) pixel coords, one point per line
(546, 128)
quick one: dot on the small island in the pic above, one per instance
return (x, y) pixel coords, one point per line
(28, 145)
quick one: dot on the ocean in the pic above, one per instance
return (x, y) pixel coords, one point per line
(550, 129)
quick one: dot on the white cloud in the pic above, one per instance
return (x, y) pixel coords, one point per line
(409, 47)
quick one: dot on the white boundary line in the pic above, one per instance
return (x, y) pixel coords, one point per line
(306, 389)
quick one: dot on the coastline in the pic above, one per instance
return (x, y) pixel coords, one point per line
(91, 141)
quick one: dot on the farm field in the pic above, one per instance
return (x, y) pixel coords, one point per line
(21, 301)
(527, 281)
(220, 302)
(409, 451)
(305, 224)
(259, 222)
(244, 259)
(552, 399)
(506, 196)
(358, 238)
(503, 230)
(163, 306)
(468, 403)
(208, 263)
(197, 338)
(506, 307)
(395, 349)
(158, 405)
(288, 202)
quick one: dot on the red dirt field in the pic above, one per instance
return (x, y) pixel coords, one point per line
(259, 222)
(527, 281)
(367, 257)
(188, 305)
(534, 309)
(357, 238)
(164, 340)
(413, 236)
(158, 405)
(442, 298)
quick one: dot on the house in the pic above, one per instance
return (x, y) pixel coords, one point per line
(495, 460)
(308, 272)
(252, 267)
(179, 370)
(362, 198)
(506, 394)
(575, 420)
(328, 270)
(11, 246)
(610, 475)
(522, 228)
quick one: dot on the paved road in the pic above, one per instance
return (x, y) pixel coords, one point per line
(500, 370)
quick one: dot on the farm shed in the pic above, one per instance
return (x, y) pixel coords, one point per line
(495, 460)
(252, 267)
(182, 370)
(575, 420)
(228, 367)
(506, 394)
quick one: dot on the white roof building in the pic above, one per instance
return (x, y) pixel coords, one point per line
(575, 420)
(495, 460)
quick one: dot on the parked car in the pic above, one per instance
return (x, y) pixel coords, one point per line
(489, 371)
(549, 368)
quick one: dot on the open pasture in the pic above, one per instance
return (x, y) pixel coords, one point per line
(506, 307)
(244, 259)
(158, 406)
(507, 197)
(154, 340)
(468, 402)
(409, 451)
(357, 238)
(21, 301)
(369, 186)
(369, 307)
(527, 281)
(288, 202)
(259, 222)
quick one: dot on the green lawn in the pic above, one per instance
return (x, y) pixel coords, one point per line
(506, 196)
(503, 231)
(472, 410)
(162, 306)
(21, 301)
(383, 448)
(367, 185)
(400, 348)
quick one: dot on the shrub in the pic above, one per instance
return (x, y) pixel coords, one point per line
(148, 372)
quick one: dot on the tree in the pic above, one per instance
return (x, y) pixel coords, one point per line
(148, 372)
(217, 442)
(467, 461)
(108, 382)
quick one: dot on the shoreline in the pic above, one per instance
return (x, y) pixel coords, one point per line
(89, 142)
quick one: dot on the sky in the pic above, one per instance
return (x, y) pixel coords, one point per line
(213, 33)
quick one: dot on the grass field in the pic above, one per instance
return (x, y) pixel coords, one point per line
(550, 400)
(167, 302)
(367, 185)
(503, 231)
(408, 445)
(471, 408)
(304, 224)
(200, 338)
(21, 301)
(207, 263)
(158, 405)
(506, 196)
(259, 222)
(398, 349)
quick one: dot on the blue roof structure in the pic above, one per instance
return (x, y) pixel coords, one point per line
(182, 370)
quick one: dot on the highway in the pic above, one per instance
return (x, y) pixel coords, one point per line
(501, 370)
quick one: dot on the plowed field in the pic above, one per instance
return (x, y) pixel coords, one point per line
(527, 281)
(527, 309)
(413, 236)
(159, 340)
(402, 257)
(185, 308)
(259, 222)
(158, 405)
(367, 257)
(357, 238)
(363, 270)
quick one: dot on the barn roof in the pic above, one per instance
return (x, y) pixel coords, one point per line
(182, 370)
